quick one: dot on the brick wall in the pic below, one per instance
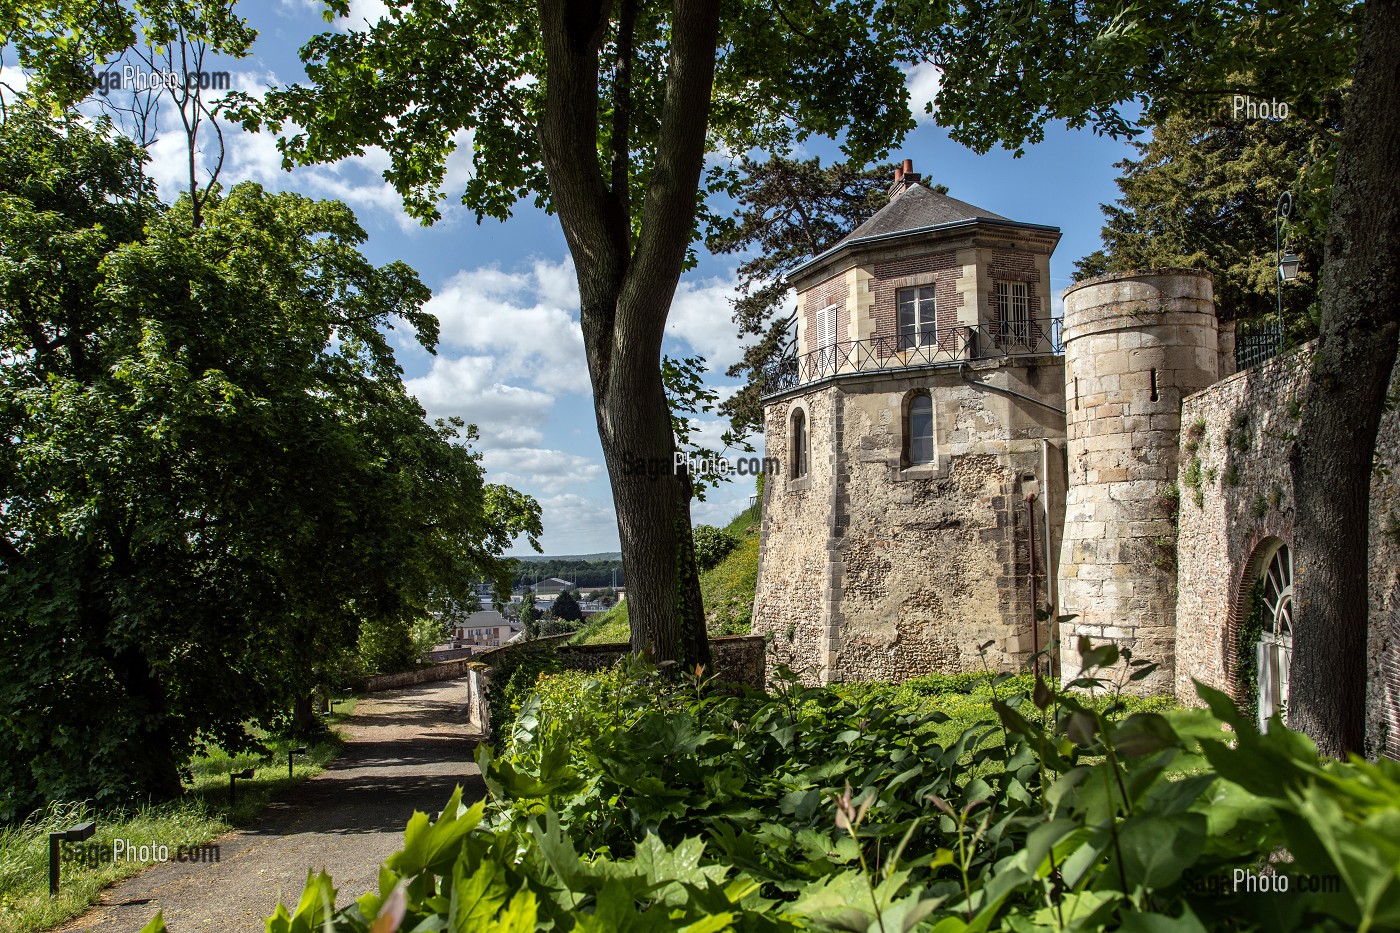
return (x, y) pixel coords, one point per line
(1012, 267)
(833, 291)
(890, 277)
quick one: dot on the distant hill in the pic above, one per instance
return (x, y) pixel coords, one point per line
(603, 556)
(726, 589)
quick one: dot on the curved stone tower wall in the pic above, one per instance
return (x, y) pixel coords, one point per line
(1135, 345)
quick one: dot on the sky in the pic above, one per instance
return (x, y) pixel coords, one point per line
(510, 359)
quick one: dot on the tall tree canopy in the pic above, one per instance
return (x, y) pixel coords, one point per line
(789, 211)
(211, 471)
(604, 113)
(1006, 73)
(1204, 192)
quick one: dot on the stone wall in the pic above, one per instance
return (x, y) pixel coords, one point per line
(1135, 345)
(1239, 433)
(879, 570)
(736, 658)
(790, 604)
(447, 670)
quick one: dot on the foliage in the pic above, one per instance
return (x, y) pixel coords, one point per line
(566, 608)
(213, 473)
(604, 114)
(712, 545)
(585, 573)
(514, 676)
(529, 617)
(686, 394)
(386, 646)
(1203, 193)
(197, 818)
(728, 589)
(1007, 73)
(807, 810)
(789, 211)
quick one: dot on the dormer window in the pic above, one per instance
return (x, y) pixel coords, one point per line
(916, 317)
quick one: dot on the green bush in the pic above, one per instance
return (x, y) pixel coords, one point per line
(712, 545)
(627, 801)
(387, 647)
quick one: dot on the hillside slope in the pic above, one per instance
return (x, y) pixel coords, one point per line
(727, 590)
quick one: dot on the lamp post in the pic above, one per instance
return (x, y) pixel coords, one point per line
(1285, 263)
(233, 776)
(1032, 489)
(299, 750)
(71, 834)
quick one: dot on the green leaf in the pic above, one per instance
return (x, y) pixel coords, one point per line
(1157, 849)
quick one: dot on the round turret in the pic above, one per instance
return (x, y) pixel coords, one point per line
(1136, 343)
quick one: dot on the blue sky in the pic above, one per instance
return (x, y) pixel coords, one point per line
(511, 356)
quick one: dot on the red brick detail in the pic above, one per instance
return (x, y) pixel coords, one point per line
(890, 277)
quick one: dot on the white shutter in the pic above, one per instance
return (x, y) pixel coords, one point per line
(830, 340)
(1265, 682)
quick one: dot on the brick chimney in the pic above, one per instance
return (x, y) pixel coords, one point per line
(904, 178)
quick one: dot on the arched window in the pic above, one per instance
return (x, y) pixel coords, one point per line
(799, 444)
(918, 430)
(1275, 647)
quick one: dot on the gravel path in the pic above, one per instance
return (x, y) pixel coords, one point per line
(405, 750)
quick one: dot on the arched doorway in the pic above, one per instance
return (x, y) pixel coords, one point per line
(1274, 649)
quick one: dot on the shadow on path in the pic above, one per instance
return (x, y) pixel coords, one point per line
(405, 750)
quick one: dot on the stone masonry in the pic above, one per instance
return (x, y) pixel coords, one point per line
(1135, 344)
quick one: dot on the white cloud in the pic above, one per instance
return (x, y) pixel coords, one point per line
(702, 316)
(549, 471)
(468, 387)
(575, 524)
(922, 81)
(527, 320)
(363, 14)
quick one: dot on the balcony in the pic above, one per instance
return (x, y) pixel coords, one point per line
(959, 343)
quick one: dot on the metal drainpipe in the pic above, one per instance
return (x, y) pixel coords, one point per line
(962, 371)
(1030, 542)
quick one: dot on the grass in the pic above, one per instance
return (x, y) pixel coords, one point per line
(202, 814)
(727, 591)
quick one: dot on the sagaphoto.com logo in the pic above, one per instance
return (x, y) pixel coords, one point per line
(131, 78)
(698, 465)
(93, 855)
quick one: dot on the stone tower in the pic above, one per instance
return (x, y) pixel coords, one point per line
(1135, 345)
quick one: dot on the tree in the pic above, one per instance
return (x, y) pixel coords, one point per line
(1005, 75)
(566, 608)
(789, 211)
(529, 616)
(212, 474)
(605, 112)
(1203, 193)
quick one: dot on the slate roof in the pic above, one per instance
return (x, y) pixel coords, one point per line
(915, 208)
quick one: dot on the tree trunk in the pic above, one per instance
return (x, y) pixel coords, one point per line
(303, 715)
(626, 284)
(1332, 459)
(653, 516)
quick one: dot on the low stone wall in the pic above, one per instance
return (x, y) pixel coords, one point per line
(451, 654)
(1236, 441)
(737, 659)
(447, 670)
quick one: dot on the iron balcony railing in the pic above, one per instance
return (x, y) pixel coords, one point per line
(957, 343)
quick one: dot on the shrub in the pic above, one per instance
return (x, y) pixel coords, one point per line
(387, 647)
(628, 801)
(712, 545)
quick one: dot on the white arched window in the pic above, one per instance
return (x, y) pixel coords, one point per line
(798, 448)
(1275, 647)
(918, 430)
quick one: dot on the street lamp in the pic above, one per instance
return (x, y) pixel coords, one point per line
(299, 750)
(1285, 264)
(71, 834)
(245, 774)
